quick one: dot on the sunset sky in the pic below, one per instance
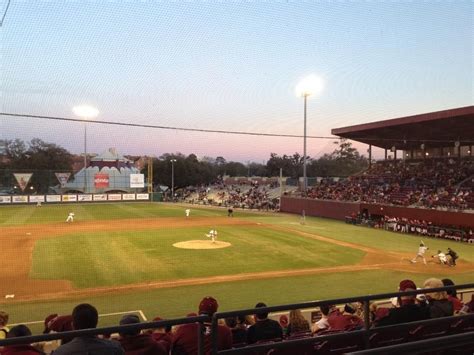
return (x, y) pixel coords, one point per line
(227, 65)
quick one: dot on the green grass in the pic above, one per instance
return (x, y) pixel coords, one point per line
(116, 258)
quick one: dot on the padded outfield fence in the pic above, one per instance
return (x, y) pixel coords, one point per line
(408, 338)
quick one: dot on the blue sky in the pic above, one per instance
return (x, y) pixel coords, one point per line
(228, 65)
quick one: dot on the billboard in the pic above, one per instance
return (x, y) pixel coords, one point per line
(137, 180)
(62, 178)
(22, 179)
(101, 181)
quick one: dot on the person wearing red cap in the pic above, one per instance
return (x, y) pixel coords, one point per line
(185, 340)
(408, 310)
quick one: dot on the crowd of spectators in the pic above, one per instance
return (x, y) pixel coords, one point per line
(235, 331)
(445, 184)
(414, 226)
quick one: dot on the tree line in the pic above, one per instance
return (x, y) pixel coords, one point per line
(43, 158)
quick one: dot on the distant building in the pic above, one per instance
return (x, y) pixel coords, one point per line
(106, 172)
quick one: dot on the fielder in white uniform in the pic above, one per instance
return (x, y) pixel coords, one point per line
(421, 253)
(70, 217)
(187, 211)
(212, 234)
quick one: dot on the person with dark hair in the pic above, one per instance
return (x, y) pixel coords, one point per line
(347, 320)
(452, 296)
(264, 327)
(185, 340)
(238, 329)
(19, 349)
(323, 323)
(454, 256)
(135, 343)
(85, 316)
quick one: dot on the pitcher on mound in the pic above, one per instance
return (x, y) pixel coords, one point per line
(212, 234)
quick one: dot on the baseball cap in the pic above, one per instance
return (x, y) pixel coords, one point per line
(407, 285)
(208, 306)
(61, 324)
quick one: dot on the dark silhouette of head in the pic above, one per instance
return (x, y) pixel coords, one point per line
(84, 316)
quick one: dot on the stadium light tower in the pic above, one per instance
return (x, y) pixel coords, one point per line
(308, 86)
(172, 178)
(85, 112)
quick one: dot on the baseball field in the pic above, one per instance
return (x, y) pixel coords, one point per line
(151, 259)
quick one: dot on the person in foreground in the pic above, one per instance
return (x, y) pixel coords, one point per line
(85, 316)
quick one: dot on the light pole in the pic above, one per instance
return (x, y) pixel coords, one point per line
(85, 112)
(308, 86)
(172, 178)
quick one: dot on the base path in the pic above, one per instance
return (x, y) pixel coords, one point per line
(18, 242)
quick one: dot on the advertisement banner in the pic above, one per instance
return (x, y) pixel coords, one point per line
(137, 180)
(5, 199)
(36, 199)
(69, 198)
(100, 197)
(20, 199)
(142, 196)
(53, 198)
(115, 197)
(101, 181)
(62, 178)
(22, 179)
(128, 197)
(84, 198)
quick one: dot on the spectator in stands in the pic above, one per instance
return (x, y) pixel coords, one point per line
(134, 343)
(3, 324)
(468, 307)
(347, 320)
(264, 327)
(20, 349)
(452, 296)
(161, 335)
(408, 310)
(438, 303)
(283, 320)
(238, 329)
(323, 323)
(85, 316)
(185, 340)
(298, 324)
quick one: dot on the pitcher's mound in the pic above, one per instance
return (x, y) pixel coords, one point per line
(201, 244)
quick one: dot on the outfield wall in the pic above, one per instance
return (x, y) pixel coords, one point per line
(71, 198)
(339, 210)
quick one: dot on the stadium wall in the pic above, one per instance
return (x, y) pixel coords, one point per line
(318, 208)
(339, 210)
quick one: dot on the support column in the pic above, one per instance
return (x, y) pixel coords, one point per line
(385, 153)
(370, 156)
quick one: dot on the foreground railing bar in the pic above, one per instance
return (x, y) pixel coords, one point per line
(106, 330)
(423, 346)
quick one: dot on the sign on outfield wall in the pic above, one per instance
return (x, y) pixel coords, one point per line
(115, 197)
(36, 199)
(22, 179)
(101, 180)
(137, 180)
(20, 199)
(69, 198)
(100, 197)
(84, 198)
(53, 198)
(5, 199)
(128, 197)
(142, 196)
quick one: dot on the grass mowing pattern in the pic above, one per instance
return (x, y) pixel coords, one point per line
(117, 258)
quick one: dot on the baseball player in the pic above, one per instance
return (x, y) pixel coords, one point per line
(212, 234)
(421, 253)
(187, 211)
(70, 217)
(441, 257)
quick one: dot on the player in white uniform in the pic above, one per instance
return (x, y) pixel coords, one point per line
(187, 211)
(212, 234)
(441, 257)
(70, 217)
(421, 253)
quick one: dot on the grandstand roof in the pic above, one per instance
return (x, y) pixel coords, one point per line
(435, 129)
